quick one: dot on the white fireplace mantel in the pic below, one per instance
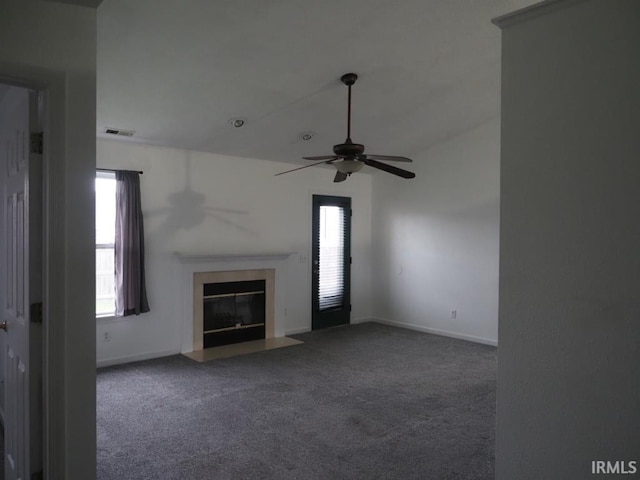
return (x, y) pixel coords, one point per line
(221, 257)
(189, 264)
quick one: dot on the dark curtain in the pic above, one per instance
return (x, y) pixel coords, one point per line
(131, 292)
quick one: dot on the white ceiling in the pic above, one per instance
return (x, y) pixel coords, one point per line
(176, 71)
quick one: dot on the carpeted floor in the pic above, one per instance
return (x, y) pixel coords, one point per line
(365, 401)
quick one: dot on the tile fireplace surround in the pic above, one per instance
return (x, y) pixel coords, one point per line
(195, 270)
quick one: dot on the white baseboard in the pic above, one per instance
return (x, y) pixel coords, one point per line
(108, 362)
(435, 331)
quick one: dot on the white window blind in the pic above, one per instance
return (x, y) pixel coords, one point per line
(331, 257)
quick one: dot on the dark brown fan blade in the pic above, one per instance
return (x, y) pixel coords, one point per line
(389, 168)
(388, 158)
(340, 177)
(306, 166)
(322, 157)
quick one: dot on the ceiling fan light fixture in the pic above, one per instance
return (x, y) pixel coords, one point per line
(349, 166)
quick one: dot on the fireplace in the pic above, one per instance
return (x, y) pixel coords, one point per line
(232, 307)
(233, 312)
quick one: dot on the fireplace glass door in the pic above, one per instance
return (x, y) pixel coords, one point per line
(233, 312)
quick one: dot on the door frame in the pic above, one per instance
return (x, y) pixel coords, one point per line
(54, 415)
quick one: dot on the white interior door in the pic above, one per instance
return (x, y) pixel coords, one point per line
(20, 184)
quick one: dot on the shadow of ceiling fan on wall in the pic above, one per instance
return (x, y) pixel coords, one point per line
(349, 157)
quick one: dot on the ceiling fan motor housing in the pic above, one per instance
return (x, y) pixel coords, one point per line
(348, 149)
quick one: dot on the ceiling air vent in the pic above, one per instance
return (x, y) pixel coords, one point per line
(119, 132)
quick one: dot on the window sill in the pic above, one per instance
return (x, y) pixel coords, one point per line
(109, 319)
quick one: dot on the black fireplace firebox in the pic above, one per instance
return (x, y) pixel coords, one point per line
(234, 312)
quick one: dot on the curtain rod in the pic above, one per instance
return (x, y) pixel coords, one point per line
(115, 170)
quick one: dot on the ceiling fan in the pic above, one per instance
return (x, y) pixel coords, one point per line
(349, 157)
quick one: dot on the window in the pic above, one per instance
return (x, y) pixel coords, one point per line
(105, 239)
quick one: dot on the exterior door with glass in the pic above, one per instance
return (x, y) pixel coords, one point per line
(331, 260)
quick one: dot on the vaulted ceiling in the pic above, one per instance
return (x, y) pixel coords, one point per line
(176, 71)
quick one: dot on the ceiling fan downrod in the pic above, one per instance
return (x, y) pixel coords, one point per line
(349, 79)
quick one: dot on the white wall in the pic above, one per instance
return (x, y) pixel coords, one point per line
(201, 203)
(435, 239)
(568, 369)
(54, 46)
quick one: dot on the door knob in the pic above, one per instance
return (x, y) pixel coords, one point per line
(3, 326)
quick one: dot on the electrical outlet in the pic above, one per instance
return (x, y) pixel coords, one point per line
(454, 314)
(106, 336)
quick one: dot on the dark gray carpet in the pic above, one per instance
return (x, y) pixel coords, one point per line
(364, 401)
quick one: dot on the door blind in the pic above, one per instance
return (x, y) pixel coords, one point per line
(331, 257)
